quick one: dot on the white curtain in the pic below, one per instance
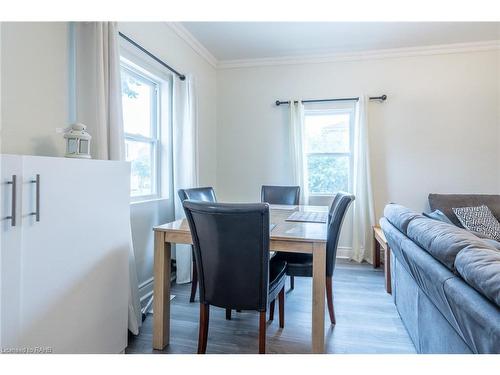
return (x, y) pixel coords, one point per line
(185, 160)
(364, 217)
(99, 87)
(299, 171)
(99, 106)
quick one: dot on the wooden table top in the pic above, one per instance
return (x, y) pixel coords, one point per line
(284, 230)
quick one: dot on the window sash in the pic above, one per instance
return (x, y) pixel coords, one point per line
(139, 138)
(349, 154)
(154, 140)
(154, 85)
(154, 169)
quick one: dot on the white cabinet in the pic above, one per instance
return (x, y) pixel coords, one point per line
(64, 273)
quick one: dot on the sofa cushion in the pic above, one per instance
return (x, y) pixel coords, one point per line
(492, 243)
(438, 215)
(399, 216)
(443, 241)
(480, 268)
(478, 319)
(446, 203)
(479, 219)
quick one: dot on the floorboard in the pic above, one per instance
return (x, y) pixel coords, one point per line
(367, 321)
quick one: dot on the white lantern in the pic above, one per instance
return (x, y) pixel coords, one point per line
(77, 142)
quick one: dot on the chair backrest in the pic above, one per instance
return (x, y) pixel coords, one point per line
(204, 194)
(336, 216)
(231, 247)
(280, 194)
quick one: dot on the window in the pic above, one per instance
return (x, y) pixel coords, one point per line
(141, 120)
(328, 150)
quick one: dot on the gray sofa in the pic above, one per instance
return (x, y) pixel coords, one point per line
(445, 280)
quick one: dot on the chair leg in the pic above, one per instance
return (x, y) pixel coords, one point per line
(329, 299)
(194, 282)
(262, 333)
(292, 282)
(281, 302)
(228, 314)
(271, 310)
(203, 330)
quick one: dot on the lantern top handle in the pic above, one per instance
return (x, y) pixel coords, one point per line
(78, 126)
(77, 130)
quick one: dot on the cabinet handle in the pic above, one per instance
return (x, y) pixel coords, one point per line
(36, 181)
(14, 199)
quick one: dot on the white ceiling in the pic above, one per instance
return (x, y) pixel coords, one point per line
(254, 40)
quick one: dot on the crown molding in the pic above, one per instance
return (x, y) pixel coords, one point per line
(194, 43)
(363, 55)
(439, 49)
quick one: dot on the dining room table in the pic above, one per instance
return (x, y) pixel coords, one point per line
(285, 236)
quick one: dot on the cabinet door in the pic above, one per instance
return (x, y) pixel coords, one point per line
(10, 249)
(76, 237)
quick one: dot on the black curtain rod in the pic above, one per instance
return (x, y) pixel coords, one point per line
(381, 98)
(182, 77)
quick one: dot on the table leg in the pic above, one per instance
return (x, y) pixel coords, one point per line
(387, 269)
(376, 254)
(318, 302)
(161, 293)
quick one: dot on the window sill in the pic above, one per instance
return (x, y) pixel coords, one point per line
(147, 200)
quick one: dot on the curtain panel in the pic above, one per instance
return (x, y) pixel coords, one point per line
(363, 211)
(99, 106)
(185, 161)
(299, 170)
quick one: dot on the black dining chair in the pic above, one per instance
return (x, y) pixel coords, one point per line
(301, 264)
(289, 195)
(231, 247)
(204, 194)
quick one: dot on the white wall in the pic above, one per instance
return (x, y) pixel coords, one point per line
(34, 87)
(35, 101)
(437, 132)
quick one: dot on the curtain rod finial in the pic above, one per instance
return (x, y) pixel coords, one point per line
(182, 77)
(278, 102)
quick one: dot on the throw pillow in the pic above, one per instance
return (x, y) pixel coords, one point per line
(479, 219)
(438, 215)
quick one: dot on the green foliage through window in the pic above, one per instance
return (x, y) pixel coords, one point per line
(328, 150)
(328, 174)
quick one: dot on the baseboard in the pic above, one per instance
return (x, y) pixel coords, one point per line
(344, 252)
(145, 297)
(146, 291)
(146, 283)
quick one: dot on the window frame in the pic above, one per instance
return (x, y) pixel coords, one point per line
(156, 125)
(342, 109)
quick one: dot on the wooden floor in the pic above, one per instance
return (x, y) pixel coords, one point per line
(367, 321)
